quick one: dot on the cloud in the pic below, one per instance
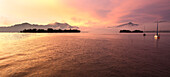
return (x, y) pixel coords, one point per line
(118, 11)
(5, 21)
(159, 10)
(76, 19)
(91, 13)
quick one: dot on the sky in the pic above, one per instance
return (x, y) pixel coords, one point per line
(87, 14)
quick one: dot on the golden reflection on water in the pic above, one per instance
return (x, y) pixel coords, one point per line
(75, 55)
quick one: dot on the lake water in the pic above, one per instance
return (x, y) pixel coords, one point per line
(84, 55)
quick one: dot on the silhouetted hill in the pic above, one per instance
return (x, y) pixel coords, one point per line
(20, 27)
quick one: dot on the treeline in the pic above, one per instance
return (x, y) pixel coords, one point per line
(128, 31)
(50, 30)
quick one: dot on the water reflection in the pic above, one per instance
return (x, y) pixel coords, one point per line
(157, 43)
(14, 36)
(83, 55)
(157, 38)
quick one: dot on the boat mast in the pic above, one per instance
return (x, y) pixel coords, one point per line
(144, 31)
(144, 28)
(157, 29)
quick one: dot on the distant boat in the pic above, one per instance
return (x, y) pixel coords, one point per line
(144, 32)
(157, 36)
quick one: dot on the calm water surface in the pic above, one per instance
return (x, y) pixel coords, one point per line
(84, 55)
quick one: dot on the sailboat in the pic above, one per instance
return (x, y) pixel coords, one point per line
(157, 36)
(144, 32)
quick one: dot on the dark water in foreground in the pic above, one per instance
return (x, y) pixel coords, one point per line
(84, 55)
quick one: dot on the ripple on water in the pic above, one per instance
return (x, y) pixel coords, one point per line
(69, 56)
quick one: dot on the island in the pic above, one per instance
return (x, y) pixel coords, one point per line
(50, 30)
(128, 31)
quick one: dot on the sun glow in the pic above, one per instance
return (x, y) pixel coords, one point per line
(157, 37)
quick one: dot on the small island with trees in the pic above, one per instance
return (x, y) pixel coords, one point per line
(50, 30)
(128, 31)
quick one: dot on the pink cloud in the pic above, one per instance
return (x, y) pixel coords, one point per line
(113, 11)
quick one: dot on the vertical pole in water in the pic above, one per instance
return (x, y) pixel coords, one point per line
(157, 28)
(144, 27)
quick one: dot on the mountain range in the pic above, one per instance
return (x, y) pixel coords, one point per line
(22, 26)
